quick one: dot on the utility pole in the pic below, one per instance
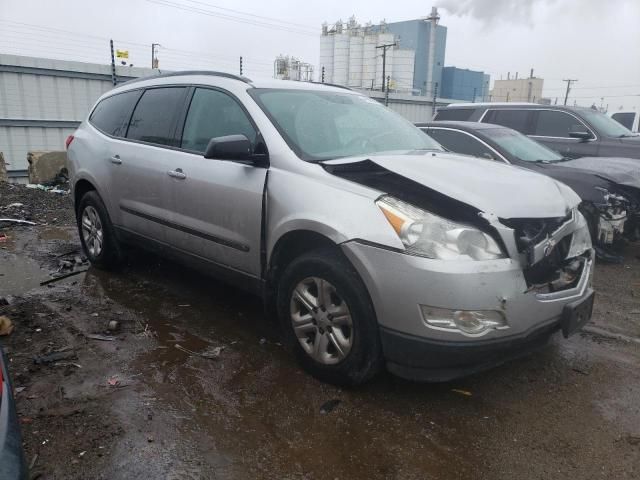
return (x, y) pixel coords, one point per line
(384, 60)
(113, 65)
(508, 96)
(154, 60)
(475, 90)
(386, 93)
(529, 91)
(569, 82)
(240, 65)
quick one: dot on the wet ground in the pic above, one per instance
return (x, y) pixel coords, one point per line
(154, 403)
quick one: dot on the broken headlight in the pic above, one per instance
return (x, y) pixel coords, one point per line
(581, 239)
(425, 234)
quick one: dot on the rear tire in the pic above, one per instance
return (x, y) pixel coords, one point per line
(328, 319)
(97, 233)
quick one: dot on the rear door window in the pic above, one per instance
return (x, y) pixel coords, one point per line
(517, 119)
(214, 114)
(459, 142)
(459, 114)
(554, 124)
(625, 119)
(154, 118)
(112, 114)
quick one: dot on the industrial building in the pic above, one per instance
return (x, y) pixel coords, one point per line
(411, 53)
(464, 84)
(42, 101)
(350, 54)
(290, 68)
(517, 89)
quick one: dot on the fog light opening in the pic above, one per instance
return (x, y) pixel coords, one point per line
(467, 322)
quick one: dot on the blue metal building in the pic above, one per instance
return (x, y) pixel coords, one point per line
(464, 84)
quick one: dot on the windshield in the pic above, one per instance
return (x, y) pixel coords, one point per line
(321, 125)
(521, 146)
(605, 125)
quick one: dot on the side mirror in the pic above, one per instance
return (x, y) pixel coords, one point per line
(230, 147)
(580, 132)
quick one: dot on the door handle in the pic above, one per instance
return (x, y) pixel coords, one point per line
(115, 159)
(177, 173)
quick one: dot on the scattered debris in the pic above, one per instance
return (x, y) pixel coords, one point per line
(6, 326)
(54, 357)
(213, 355)
(633, 439)
(329, 406)
(14, 205)
(99, 336)
(184, 305)
(113, 325)
(20, 389)
(466, 393)
(263, 341)
(581, 372)
(62, 277)
(33, 462)
(15, 220)
(150, 439)
(3, 237)
(81, 454)
(113, 382)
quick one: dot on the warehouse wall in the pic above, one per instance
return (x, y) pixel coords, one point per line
(43, 100)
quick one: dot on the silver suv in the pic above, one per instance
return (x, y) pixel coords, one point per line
(371, 244)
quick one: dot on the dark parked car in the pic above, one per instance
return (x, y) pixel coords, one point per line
(610, 199)
(12, 464)
(573, 132)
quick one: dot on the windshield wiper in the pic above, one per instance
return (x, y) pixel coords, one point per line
(627, 135)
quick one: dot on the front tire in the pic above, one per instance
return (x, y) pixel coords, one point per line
(328, 319)
(97, 234)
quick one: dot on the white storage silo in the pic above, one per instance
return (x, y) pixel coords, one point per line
(369, 53)
(356, 61)
(340, 58)
(403, 67)
(326, 58)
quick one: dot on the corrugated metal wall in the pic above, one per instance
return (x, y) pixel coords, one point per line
(42, 100)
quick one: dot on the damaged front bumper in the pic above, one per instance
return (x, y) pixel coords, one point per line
(416, 347)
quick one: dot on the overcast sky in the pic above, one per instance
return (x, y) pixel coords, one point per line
(594, 41)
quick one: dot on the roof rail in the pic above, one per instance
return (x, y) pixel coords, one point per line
(333, 85)
(190, 72)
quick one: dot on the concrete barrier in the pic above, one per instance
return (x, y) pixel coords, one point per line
(3, 169)
(44, 167)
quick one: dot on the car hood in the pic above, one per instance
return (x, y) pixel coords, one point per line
(493, 188)
(624, 171)
(588, 184)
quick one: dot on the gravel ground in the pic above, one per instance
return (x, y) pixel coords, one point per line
(146, 404)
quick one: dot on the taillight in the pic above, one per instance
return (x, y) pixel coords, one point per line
(69, 140)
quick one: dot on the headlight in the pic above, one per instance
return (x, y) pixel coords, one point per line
(581, 240)
(423, 233)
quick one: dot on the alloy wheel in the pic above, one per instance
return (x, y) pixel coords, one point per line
(321, 321)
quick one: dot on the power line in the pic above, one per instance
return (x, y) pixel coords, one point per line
(233, 18)
(252, 15)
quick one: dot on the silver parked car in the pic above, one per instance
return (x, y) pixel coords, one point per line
(371, 244)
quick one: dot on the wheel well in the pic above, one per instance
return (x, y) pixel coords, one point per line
(82, 187)
(290, 246)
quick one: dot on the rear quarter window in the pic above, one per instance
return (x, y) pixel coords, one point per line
(459, 114)
(111, 115)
